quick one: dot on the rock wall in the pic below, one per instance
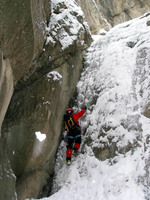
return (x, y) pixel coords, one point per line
(104, 14)
(6, 89)
(41, 62)
(7, 177)
(38, 108)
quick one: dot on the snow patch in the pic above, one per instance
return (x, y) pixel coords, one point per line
(66, 23)
(40, 136)
(54, 75)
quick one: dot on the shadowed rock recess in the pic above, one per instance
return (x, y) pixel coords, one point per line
(42, 44)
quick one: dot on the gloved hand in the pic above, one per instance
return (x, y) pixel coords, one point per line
(85, 107)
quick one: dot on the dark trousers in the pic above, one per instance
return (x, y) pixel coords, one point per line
(74, 137)
(71, 141)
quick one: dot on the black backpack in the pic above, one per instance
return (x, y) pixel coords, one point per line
(69, 123)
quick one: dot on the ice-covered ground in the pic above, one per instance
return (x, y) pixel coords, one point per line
(115, 84)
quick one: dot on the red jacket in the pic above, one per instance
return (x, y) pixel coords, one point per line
(77, 115)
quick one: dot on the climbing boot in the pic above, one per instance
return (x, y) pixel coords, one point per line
(74, 150)
(68, 162)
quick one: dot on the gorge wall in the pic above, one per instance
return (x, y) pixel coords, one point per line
(41, 53)
(108, 13)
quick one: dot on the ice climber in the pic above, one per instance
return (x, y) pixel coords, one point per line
(73, 129)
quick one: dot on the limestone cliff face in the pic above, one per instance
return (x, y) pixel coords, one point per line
(104, 14)
(6, 83)
(41, 61)
(21, 38)
(94, 16)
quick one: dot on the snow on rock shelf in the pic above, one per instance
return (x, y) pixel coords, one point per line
(114, 159)
(67, 24)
